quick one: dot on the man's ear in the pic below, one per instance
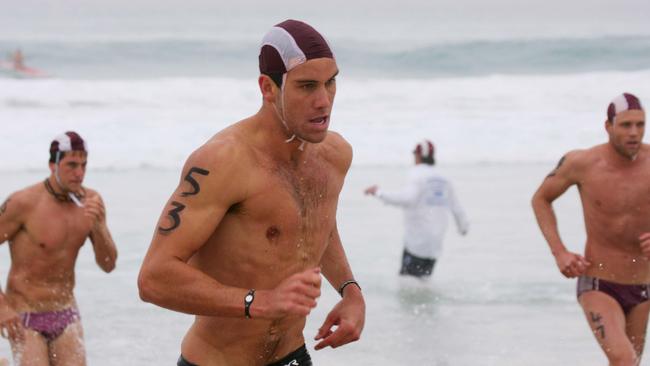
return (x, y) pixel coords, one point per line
(267, 88)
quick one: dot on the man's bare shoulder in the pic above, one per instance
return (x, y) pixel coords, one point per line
(583, 158)
(337, 150)
(222, 164)
(92, 193)
(23, 201)
(645, 152)
(227, 147)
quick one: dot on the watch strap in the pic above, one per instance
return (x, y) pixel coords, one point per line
(248, 300)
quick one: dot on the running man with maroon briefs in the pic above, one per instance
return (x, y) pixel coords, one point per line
(613, 180)
(244, 239)
(46, 225)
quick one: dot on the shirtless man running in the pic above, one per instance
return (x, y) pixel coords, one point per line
(46, 224)
(244, 239)
(614, 274)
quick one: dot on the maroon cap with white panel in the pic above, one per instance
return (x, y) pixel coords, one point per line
(622, 103)
(69, 141)
(290, 44)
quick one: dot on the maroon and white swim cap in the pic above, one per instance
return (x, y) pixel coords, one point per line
(622, 103)
(290, 44)
(69, 141)
(425, 149)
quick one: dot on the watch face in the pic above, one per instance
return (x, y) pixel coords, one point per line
(248, 298)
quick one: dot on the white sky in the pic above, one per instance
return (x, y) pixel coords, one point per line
(354, 19)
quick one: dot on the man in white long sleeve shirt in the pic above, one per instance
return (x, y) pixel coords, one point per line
(426, 200)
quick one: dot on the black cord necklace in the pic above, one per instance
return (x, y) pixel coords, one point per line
(60, 196)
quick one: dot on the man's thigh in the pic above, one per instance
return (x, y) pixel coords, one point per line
(32, 352)
(68, 348)
(608, 324)
(637, 323)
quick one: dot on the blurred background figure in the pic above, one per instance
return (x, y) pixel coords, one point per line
(18, 59)
(14, 66)
(426, 200)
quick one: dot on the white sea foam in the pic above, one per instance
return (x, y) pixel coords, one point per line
(135, 123)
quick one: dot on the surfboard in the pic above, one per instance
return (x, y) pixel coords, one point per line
(7, 68)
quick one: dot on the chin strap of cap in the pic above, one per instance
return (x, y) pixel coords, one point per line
(282, 117)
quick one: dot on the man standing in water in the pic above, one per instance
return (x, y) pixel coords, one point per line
(614, 274)
(252, 225)
(46, 224)
(427, 199)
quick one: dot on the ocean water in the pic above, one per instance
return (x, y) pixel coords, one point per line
(495, 299)
(504, 88)
(472, 120)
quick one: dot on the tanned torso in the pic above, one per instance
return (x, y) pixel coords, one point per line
(44, 251)
(282, 226)
(616, 204)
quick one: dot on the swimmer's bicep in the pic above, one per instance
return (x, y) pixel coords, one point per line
(191, 213)
(10, 217)
(560, 178)
(569, 166)
(198, 204)
(184, 227)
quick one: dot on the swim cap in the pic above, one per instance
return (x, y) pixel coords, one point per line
(288, 45)
(69, 141)
(425, 149)
(622, 103)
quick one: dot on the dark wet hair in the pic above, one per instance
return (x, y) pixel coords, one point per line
(277, 78)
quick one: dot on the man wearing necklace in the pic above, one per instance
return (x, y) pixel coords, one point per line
(46, 224)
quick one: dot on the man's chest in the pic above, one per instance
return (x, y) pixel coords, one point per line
(56, 230)
(617, 192)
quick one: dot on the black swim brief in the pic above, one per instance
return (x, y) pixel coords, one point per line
(183, 362)
(299, 357)
(416, 266)
(628, 296)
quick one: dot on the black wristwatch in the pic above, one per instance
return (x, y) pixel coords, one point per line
(248, 300)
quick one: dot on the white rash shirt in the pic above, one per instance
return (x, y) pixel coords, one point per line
(426, 199)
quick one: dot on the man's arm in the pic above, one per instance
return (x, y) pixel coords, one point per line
(457, 210)
(10, 217)
(349, 314)
(212, 180)
(11, 213)
(404, 197)
(103, 245)
(556, 183)
(10, 323)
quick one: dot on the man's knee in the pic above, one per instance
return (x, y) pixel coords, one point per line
(622, 357)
